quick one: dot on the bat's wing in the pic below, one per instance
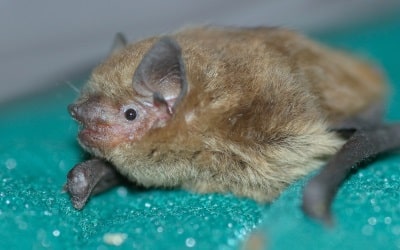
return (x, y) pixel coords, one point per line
(367, 137)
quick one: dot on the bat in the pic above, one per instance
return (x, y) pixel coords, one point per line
(246, 111)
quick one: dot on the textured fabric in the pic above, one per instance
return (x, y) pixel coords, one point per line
(38, 147)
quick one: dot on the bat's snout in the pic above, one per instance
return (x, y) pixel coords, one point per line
(73, 110)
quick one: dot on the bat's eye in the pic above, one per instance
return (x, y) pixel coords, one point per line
(130, 114)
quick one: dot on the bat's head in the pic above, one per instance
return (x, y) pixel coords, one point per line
(113, 112)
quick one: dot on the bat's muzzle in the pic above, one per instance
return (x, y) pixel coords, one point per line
(73, 111)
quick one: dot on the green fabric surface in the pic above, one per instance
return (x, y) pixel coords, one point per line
(38, 147)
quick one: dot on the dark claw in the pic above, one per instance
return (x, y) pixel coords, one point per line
(88, 178)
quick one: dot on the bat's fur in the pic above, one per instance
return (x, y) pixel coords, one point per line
(256, 116)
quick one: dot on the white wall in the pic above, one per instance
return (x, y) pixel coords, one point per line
(44, 43)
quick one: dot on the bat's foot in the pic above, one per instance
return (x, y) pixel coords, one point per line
(362, 145)
(316, 202)
(78, 185)
(88, 178)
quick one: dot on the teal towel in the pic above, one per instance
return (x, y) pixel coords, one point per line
(38, 147)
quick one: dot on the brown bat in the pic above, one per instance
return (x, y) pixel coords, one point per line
(240, 110)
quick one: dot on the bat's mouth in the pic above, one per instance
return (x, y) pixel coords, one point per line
(92, 135)
(99, 135)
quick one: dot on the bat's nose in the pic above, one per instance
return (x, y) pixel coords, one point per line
(73, 110)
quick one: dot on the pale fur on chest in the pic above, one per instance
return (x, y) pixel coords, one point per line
(256, 171)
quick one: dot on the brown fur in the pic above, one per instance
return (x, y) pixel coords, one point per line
(256, 115)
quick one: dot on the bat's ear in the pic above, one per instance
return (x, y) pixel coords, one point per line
(161, 75)
(119, 43)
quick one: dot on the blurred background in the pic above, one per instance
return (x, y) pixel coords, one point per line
(46, 43)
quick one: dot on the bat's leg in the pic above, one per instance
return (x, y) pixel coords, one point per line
(364, 143)
(88, 178)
